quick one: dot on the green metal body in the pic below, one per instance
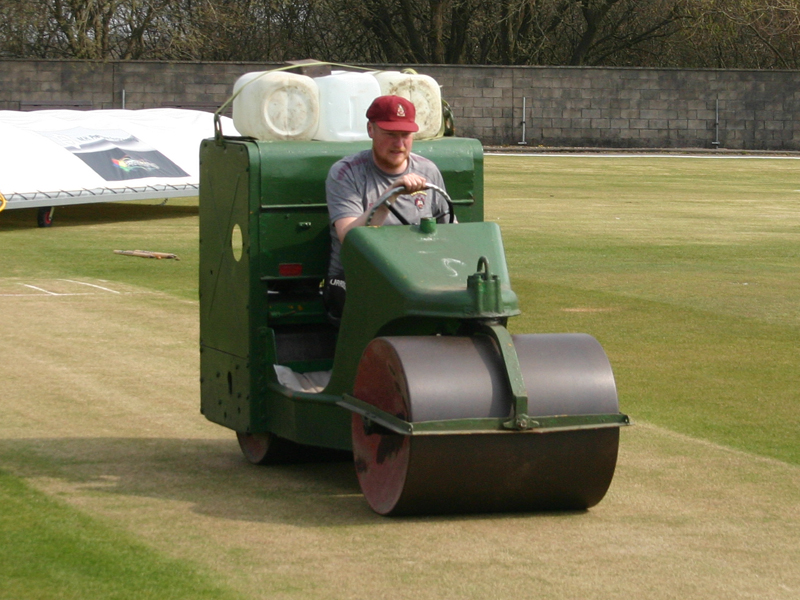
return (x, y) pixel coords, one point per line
(264, 246)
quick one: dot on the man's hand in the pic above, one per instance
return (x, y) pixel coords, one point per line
(412, 182)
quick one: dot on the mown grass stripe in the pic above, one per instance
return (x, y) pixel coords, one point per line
(52, 551)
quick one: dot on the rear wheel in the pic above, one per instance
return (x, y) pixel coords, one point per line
(264, 448)
(269, 449)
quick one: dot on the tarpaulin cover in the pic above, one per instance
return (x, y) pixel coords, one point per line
(57, 157)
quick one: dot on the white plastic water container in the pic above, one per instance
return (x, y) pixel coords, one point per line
(424, 94)
(344, 98)
(276, 106)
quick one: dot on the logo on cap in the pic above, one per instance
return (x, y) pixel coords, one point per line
(401, 112)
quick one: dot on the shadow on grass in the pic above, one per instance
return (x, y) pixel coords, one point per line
(211, 475)
(86, 214)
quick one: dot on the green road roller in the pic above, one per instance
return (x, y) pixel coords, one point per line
(443, 409)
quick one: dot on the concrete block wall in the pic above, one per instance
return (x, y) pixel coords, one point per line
(42, 83)
(202, 86)
(625, 108)
(565, 106)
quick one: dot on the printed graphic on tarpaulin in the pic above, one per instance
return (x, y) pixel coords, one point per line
(114, 154)
(43, 160)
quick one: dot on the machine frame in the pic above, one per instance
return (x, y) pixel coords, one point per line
(264, 247)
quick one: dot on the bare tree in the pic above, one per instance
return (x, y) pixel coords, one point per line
(91, 29)
(760, 33)
(717, 33)
(25, 31)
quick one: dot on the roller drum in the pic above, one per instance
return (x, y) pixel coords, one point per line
(438, 378)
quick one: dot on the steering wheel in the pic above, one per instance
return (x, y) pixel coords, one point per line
(390, 195)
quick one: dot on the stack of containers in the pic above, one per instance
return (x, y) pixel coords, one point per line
(278, 105)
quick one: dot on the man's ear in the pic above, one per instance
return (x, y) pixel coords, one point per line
(369, 129)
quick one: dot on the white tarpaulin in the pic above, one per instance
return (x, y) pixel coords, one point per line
(58, 157)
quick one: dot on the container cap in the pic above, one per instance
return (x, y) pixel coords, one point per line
(393, 113)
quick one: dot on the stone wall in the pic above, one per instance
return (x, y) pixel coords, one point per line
(626, 108)
(564, 106)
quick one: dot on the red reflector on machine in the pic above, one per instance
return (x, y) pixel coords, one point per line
(290, 269)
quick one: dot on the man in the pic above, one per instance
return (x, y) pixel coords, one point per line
(356, 182)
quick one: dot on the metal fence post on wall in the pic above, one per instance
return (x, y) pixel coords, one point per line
(715, 143)
(524, 122)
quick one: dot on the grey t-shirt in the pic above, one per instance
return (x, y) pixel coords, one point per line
(355, 183)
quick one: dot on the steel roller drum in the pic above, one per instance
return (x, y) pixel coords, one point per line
(436, 378)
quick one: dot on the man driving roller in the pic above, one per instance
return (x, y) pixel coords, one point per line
(356, 182)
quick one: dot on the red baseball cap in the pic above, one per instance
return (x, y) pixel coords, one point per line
(393, 113)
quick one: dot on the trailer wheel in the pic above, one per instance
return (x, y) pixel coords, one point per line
(264, 448)
(44, 218)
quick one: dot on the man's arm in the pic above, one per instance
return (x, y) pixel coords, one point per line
(345, 224)
(412, 182)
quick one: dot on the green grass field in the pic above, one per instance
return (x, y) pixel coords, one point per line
(84, 237)
(686, 270)
(52, 551)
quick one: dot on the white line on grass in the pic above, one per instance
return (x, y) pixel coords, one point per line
(33, 287)
(48, 292)
(99, 287)
(632, 155)
(717, 446)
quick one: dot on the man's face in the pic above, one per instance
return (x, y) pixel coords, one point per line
(390, 148)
